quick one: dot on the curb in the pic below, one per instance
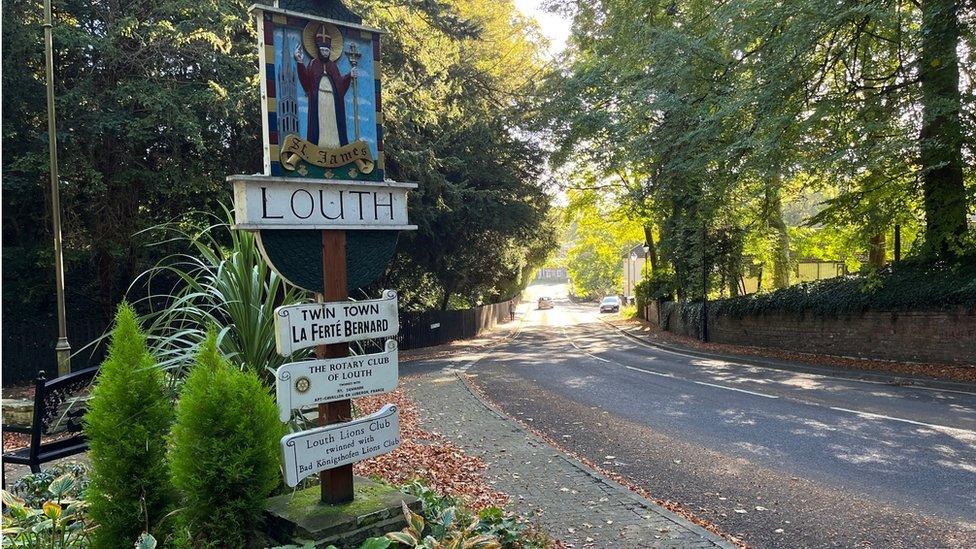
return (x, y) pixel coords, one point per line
(704, 534)
(828, 371)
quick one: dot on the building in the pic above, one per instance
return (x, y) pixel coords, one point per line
(552, 274)
(634, 261)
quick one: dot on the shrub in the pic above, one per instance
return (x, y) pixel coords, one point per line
(224, 453)
(129, 416)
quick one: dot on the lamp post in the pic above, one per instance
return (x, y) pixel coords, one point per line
(63, 348)
(633, 265)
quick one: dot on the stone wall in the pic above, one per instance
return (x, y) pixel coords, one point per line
(915, 336)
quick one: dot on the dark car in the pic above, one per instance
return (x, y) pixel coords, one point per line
(610, 304)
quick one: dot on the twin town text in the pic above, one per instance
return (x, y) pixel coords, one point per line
(303, 326)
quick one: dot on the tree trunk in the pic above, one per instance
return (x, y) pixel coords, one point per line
(651, 248)
(448, 291)
(943, 190)
(876, 251)
(781, 251)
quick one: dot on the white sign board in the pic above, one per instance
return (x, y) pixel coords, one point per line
(311, 382)
(322, 448)
(263, 202)
(302, 326)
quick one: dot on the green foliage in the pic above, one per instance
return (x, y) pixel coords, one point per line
(153, 112)
(33, 488)
(129, 415)
(902, 286)
(599, 235)
(453, 534)
(58, 523)
(661, 286)
(224, 450)
(457, 98)
(774, 103)
(221, 280)
(443, 518)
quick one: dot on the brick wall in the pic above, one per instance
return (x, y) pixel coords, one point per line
(915, 336)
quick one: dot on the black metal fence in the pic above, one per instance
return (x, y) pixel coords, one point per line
(437, 327)
(28, 348)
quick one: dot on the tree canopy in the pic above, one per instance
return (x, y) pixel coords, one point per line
(158, 102)
(718, 122)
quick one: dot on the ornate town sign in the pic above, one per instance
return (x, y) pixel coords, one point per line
(322, 120)
(327, 220)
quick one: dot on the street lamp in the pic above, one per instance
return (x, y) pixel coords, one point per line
(63, 348)
(633, 265)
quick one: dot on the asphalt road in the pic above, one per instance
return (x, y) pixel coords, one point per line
(777, 458)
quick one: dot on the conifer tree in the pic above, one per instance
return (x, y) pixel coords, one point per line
(128, 420)
(224, 453)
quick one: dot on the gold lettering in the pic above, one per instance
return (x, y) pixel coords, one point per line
(295, 148)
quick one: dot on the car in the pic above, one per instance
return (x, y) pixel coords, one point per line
(545, 303)
(610, 304)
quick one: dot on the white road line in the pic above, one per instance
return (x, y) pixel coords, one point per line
(735, 389)
(650, 372)
(573, 343)
(700, 382)
(635, 339)
(882, 416)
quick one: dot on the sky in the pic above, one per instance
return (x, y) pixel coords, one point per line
(554, 27)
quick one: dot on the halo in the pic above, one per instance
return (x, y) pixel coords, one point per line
(308, 39)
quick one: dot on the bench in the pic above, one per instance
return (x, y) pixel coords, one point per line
(59, 406)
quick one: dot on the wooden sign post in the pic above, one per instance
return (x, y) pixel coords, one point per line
(336, 484)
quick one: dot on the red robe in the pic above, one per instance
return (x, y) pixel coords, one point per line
(309, 76)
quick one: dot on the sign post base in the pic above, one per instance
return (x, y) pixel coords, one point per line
(302, 518)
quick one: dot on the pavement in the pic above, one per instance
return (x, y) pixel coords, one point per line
(773, 456)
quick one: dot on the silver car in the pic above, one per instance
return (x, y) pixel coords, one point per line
(610, 304)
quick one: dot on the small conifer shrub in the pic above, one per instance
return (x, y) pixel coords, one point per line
(128, 419)
(224, 450)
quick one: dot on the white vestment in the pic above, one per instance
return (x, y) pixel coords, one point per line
(328, 127)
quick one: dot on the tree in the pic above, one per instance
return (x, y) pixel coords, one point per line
(128, 418)
(224, 455)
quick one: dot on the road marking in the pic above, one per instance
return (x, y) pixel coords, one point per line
(650, 372)
(735, 389)
(636, 339)
(573, 343)
(700, 382)
(882, 416)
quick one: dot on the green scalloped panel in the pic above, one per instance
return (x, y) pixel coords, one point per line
(296, 255)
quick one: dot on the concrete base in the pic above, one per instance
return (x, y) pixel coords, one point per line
(18, 411)
(300, 518)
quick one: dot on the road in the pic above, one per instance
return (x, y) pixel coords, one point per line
(776, 458)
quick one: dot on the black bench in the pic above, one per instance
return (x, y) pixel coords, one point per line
(59, 406)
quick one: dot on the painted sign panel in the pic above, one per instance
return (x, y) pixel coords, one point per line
(321, 90)
(302, 326)
(323, 448)
(294, 203)
(311, 382)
